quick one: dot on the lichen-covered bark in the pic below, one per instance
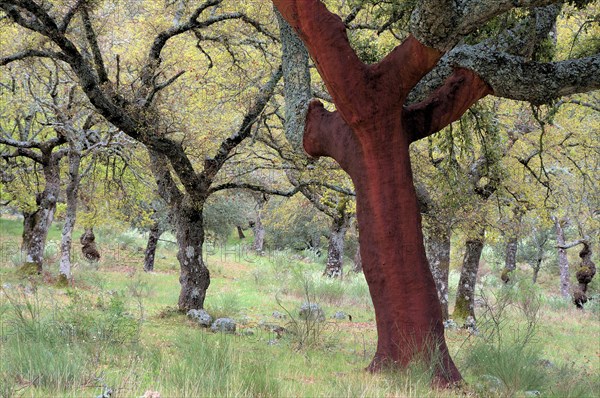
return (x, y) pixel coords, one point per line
(335, 251)
(510, 258)
(297, 90)
(74, 158)
(258, 229)
(437, 247)
(194, 276)
(37, 224)
(150, 252)
(442, 24)
(465, 294)
(563, 261)
(186, 215)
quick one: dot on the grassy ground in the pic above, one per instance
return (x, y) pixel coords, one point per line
(116, 328)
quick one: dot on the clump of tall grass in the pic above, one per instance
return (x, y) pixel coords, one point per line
(57, 347)
(505, 356)
(199, 366)
(225, 305)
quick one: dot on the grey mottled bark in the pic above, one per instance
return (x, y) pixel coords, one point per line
(563, 261)
(514, 232)
(194, 276)
(296, 76)
(514, 74)
(442, 24)
(150, 253)
(437, 247)
(40, 221)
(335, 251)
(74, 158)
(258, 229)
(510, 259)
(465, 295)
(536, 82)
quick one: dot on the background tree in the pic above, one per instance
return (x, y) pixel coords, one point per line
(136, 103)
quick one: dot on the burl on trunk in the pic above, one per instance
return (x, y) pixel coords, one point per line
(369, 136)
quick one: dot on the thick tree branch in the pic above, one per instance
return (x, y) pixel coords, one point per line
(32, 54)
(327, 134)
(167, 188)
(92, 40)
(69, 15)
(539, 83)
(520, 41)
(297, 83)
(445, 105)
(442, 24)
(324, 35)
(256, 188)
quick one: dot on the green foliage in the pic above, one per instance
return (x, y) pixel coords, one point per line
(294, 224)
(222, 213)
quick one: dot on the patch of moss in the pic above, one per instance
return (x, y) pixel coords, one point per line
(62, 281)
(461, 310)
(505, 276)
(29, 269)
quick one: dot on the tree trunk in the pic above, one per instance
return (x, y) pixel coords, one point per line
(258, 229)
(563, 261)
(240, 232)
(335, 251)
(536, 269)
(71, 215)
(510, 261)
(28, 225)
(369, 136)
(357, 261)
(437, 246)
(465, 295)
(407, 310)
(88, 245)
(409, 317)
(37, 224)
(194, 277)
(150, 253)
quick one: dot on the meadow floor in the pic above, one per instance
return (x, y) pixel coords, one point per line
(116, 331)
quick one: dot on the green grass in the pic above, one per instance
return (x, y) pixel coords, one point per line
(118, 328)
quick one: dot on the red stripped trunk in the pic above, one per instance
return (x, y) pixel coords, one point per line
(369, 136)
(409, 318)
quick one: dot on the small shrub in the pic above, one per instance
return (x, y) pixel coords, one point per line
(307, 331)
